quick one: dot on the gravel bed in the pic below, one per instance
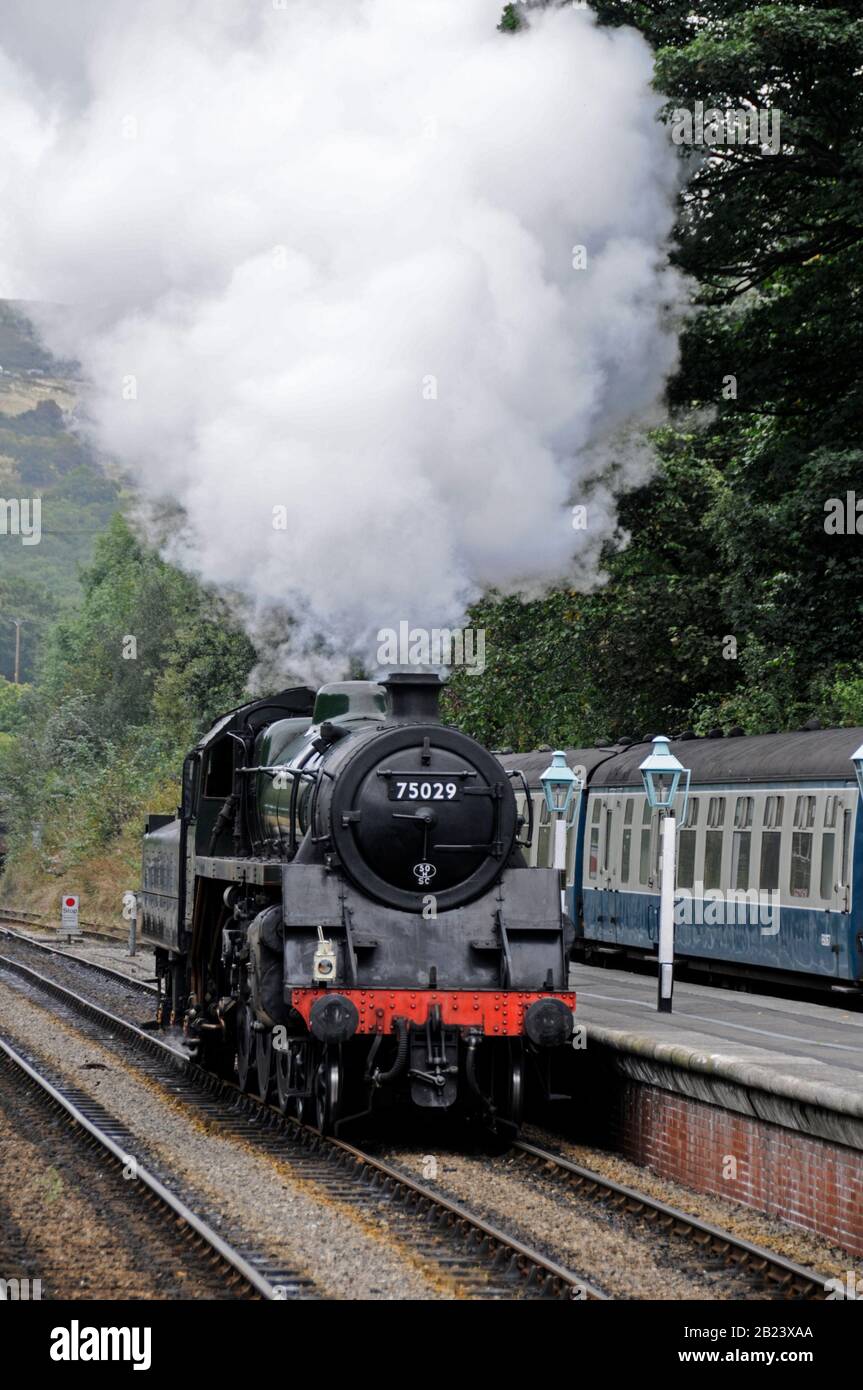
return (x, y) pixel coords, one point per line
(628, 1259)
(804, 1248)
(126, 1001)
(259, 1200)
(141, 966)
(69, 1219)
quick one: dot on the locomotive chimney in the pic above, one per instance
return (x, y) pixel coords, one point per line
(413, 697)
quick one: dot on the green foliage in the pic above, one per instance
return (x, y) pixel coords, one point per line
(728, 540)
(129, 681)
(12, 711)
(41, 458)
(511, 20)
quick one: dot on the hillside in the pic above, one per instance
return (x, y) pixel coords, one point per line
(41, 457)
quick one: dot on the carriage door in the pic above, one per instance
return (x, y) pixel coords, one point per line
(834, 888)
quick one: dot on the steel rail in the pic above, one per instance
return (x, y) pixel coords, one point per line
(74, 1112)
(795, 1280)
(146, 986)
(792, 1280)
(25, 918)
(547, 1277)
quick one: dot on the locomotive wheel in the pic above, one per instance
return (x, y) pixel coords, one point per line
(290, 1068)
(510, 1083)
(299, 1078)
(282, 1069)
(328, 1090)
(245, 1047)
(263, 1062)
(516, 1082)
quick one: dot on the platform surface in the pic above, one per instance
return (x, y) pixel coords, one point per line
(754, 1035)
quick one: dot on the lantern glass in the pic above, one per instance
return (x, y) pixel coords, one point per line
(661, 773)
(558, 784)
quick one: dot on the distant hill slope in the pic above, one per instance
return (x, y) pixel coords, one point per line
(20, 350)
(40, 456)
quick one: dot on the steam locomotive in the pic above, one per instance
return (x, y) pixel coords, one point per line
(343, 916)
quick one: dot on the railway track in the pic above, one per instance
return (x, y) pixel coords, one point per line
(787, 1279)
(97, 1129)
(24, 918)
(144, 986)
(781, 1276)
(447, 1230)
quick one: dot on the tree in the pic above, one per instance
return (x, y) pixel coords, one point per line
(731, 602)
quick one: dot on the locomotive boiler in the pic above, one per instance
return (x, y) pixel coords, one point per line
(343, 916)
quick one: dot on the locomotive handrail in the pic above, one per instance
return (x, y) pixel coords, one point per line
(297, 774)
(528, 800)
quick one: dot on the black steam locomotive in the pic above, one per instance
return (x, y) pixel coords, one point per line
(342, 913)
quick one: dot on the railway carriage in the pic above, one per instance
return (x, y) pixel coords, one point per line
(768, 854)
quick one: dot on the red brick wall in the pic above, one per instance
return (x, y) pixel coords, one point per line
(805, 1181)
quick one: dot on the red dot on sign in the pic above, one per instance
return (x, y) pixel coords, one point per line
(70, 902)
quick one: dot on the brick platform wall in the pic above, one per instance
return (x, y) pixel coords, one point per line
(805, 1181)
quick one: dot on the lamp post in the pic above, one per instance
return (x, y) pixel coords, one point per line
(559, 783)
(661, 773)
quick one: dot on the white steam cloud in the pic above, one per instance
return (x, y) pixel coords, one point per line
(319, 256)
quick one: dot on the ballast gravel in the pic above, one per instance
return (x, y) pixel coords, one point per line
(247, 1194)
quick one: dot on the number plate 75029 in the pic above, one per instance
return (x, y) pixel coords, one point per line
(424, 789)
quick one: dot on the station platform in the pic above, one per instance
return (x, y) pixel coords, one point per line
(808, 1052)
(741, 1095)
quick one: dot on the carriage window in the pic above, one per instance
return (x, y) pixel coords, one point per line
(771, 844)
(831, 806)
(626, 840)
(597, 807)
(801, 860)
(686, 858)
(846, 833)
(686, 844)
(827, 849)
(773, 808)
(593, 856)
(741, 841)
(606, 852)
(743, 812)
(712, 858)
(713, 842)
(644, 855)
(625, 853)
(740, 847)
(804, 813)
(716, 812)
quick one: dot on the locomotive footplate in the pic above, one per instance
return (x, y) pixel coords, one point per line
(495, 1013)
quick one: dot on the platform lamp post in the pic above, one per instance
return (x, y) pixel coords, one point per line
(559, 783)
(661, 773)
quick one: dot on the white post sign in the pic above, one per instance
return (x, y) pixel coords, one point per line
(69, 914)
(666, 916)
